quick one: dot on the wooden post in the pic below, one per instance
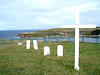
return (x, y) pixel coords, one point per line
(44, 39)
(20, 40)
(11, 41)
(2, 41)
(32, 41)
(82, 39)
(76, 48)
(69, 40)
(97, 41)
(57, 39)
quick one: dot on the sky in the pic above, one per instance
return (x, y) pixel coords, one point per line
(46, 14)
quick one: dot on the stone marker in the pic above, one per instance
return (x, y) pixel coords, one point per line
(59, 50)
(46, 50)
(19, 43)
(35, 44)
(28, 44)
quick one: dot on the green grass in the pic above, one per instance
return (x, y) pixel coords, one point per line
(16, 60)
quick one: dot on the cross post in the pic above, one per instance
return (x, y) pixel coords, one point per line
(77, 26)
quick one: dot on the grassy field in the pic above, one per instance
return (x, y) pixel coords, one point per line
(16, 60)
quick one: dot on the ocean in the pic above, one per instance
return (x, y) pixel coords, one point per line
(11, 34)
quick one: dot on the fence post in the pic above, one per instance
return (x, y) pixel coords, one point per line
(11, 41)
(2, 41)
(97, 41)
(20, 40)
(57, 39)
(82, 39)
(32, 41)
(44, 39)
(69, 40)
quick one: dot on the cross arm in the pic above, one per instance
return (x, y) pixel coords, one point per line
(87, 26)
(78, 26)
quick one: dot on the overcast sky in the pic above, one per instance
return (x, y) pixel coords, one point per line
(46, 14)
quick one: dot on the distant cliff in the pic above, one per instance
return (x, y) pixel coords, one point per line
(56, 32)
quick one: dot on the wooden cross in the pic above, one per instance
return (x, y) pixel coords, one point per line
(77, 26)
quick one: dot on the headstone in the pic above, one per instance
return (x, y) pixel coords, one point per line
(35, 44)
(28, 44)
(46, 50)
(59, 50)
(20, 43)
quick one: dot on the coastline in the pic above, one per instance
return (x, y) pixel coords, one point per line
(58, 32)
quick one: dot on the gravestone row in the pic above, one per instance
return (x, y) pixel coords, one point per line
(34, 44)
(46, 48)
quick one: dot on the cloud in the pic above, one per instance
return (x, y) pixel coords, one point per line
(34, 14)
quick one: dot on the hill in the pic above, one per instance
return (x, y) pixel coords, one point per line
(57, 32)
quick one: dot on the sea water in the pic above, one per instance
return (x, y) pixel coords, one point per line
(12, 34)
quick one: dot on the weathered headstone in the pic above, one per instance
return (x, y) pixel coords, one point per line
(19, 43)
(59, 50)
(46, 50)
(35, 44)
(28, 44)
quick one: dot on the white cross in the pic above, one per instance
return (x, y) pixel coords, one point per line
(77, 26)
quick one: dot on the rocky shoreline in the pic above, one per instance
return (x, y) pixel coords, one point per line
(60, 32)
